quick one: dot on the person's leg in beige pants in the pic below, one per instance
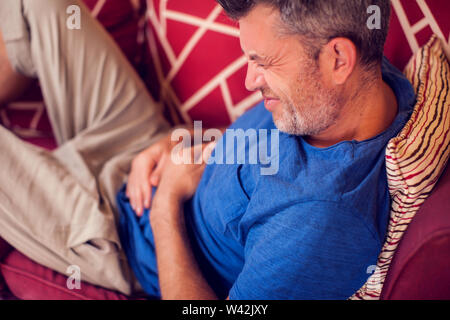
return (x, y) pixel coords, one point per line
(58, 208)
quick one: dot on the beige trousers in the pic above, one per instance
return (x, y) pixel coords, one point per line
(58, 208)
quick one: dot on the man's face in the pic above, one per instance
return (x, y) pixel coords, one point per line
(290, 81)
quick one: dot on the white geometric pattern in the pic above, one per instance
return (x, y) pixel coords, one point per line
(412, 30)
(167, 94)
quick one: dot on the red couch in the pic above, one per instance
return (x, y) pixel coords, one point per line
(192, 48)
(421, 265)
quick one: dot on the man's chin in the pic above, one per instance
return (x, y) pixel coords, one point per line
(290, 127)
(284, 126)
(284, 120)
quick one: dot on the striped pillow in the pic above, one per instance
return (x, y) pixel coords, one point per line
(416, 158)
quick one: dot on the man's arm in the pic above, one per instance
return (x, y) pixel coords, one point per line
(179, 274)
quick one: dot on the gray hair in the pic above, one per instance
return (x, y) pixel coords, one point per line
(319, 21)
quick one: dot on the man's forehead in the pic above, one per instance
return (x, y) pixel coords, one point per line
(258, 29)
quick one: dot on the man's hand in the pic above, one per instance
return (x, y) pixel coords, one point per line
(146, 171)
(180, 180)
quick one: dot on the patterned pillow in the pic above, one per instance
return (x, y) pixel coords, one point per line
(416, 158)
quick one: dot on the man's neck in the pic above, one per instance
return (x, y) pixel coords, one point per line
(365, 116)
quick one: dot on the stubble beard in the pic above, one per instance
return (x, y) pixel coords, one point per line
(311, 110)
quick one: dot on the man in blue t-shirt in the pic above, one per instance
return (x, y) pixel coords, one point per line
(311, 229)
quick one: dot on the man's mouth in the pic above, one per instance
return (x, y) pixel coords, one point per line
(270, 103)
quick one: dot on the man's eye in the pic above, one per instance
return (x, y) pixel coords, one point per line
(259, 65)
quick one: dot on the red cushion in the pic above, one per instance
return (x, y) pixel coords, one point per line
(30, 281)
(5, 248)
(420, 268)
(412, 25)
(202, 63)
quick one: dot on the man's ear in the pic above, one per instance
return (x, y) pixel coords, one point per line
(338, 60)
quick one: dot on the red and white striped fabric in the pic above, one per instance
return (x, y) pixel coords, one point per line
(416, 158)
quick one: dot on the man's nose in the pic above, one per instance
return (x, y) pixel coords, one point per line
(254, 79)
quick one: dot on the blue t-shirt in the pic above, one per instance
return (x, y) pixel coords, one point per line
(311, 231)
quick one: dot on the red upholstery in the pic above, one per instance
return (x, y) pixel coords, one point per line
(30, 281)
(5, 248)
(205, 89)
(421, 265)
(405, 37)
(199, 60)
